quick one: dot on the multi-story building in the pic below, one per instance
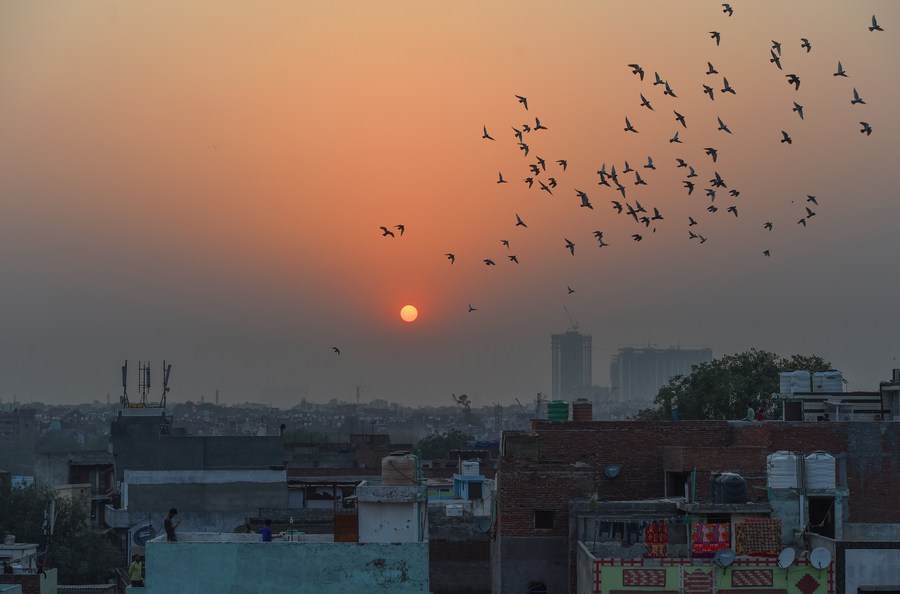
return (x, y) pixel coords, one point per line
(637, 374)
(571, 364)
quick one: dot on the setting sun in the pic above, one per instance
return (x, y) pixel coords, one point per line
(409, 313)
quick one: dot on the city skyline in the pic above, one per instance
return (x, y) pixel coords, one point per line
(206, 183)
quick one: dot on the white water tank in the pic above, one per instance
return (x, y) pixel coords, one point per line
(781, 470)
(791, 382)
(471, 468)
(398, 468)
(828, 381)
(820, 471)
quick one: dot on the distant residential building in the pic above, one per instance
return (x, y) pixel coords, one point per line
(571, 364)
(637, 374)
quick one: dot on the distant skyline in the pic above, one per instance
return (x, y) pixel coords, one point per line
(206, 183)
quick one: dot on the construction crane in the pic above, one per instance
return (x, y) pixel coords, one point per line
(573, 325)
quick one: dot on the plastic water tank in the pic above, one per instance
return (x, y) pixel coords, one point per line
(471, 468)
(582, 410)
(801, 381)
(820, 471)
(781, 470)
(398, 468)
(732, 488)
(558, 410)
(715, 488)
(784, 382)
(832, 381)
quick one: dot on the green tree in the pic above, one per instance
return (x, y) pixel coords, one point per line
(80, 555)
(725, 387)
(438, 445)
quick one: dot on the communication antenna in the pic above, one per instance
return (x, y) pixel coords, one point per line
(124, 398)
(144, 381)
(166, 369)
(573, 325)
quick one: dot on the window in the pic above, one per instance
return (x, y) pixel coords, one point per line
(543, 519)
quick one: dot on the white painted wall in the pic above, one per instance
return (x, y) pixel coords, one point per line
(871, 567)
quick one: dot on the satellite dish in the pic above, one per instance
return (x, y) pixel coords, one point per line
(786, 558)
(724, 557)
(820, 558)
(143, 534)
(612, 470)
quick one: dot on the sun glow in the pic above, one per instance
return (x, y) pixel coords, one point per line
(409, 313)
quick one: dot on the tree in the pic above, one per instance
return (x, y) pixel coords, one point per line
(438, 445)
(80, 555)
(725, 387)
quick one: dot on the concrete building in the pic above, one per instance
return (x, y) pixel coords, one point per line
(92, 470)
(636, 374)
(553, 479)
(19, 573)
(571, 365)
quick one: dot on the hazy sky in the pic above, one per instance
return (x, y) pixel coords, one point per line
(204, 182)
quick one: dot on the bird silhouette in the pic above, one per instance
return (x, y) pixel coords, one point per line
(529, 181)
(681, 162)
(802, 222)
(734, 193)
(775, 59)
(722, 126)
(798, 108)
(659, 80)
(728, 88)
(488, 262)
(513, 258)
(793, 79)
(645, 103)
(650, 164)
(806, 44)
(680, 119)
(570, 246)
(451, 257)
(545, 188)
(656, 216)
(535, 169)
(712, 195)
(636, 237)
(518, 134)
(523, 147)
(522, 100)
(542, 163)
(636, 69)
(712, 153)
(520, 222)
(785, 137)
(400, 228)
(538, 125)
(809, 213)
(570, 290)
(712, 208)
(485, 135)
(702, 239)
(638, 180)
(692, 172)
(866, 128)
(471, 309)
(552, 182)
(717, 181)
(733, 210)
(766, 253)
(585, 203)
(715, 35)
(385, 232)
(840, 70)
(629, 127)
(710, 69)
(768, 226)
(563, 163)
(617, 206)
(336, 350)
(811, 198)
(856, 98)
(669, 91)
(776, 46)
(628, 168)
(691, 222)
(727, 9)
(675, 138)
(874, 26)
(500, 180)
(709, 91)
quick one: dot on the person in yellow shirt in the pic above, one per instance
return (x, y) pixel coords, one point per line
(136, 571)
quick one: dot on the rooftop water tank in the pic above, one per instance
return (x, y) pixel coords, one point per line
(781, 470)
(398, 468)
(732, 488)
(820, 471)
(470, 468)
(582, 410)
(828, 381)
(558, 410)
(791, 382)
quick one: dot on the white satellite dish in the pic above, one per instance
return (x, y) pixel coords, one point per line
(820, 558)
(786, 558)
(724, 557)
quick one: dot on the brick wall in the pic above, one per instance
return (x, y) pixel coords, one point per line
(31, 584)
(526, 487)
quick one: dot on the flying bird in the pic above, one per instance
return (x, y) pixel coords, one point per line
(728, 88)
(727, 9)
(856, 98)
(537, 125)
(793, 79)
(798, 108)
(802, 222)
(840, 70)
(785, 137)
(520, 222)
(680, 119)
(874, 26)
(776, 46)
(710, 69)
(692, 235)
(775, 59)
(712, 208)
(471, 309)
(669, 91)
(513, 258)
(659, 80)
(722, 126)
(645, 103)
(733, 210)
(806, 44)
(638, 180)
(629, 127)
(485, 135)
(401, 228)
(656, 216)
(768, 226)
(681, 162)
(570, 246)
(617, 206)
(542, 163)
(650, 164)
(336, 350)
(702, 239)
(385, 232)
(809, 213)
(570, 290)
(523, 147)
(545, 188)
(451, 257)
(522, 100)
(709, 91)
(811, 198)
(501, 180)
(766, 253)
(866, 128)
(529, 181)
(505, 242)
(628, 168)
(585, 203)
(712, 153)
(675, 138)
(692, 172)
(563, 163)
(734, 193)
(636, 69)
(636, 237)
(715, 35)
(488, 262)
(691, 222)
(552, 182)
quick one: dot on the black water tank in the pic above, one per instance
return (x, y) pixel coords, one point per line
(732, 488)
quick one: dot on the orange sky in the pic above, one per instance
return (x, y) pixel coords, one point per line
(205, 182)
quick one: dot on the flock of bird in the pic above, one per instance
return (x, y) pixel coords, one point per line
(624, 180)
